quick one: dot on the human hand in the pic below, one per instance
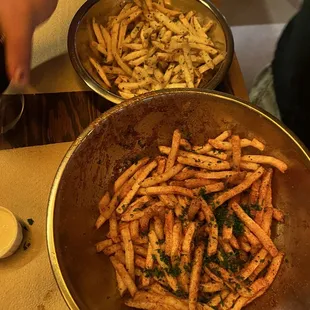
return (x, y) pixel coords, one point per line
(18, 20)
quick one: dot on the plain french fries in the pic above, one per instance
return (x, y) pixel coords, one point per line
(159, 238)
(144, 34)
(100, 71)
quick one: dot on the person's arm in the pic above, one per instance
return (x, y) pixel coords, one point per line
(18, 20)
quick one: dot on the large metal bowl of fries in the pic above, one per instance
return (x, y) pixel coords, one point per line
(124, 48)
(104, 163)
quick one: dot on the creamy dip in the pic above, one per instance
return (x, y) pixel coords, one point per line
(8, 231)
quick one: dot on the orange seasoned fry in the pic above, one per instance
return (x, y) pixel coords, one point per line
(195, 277)
(256, 230)
(176, 138)
(126, 201)
(269, 160)
(239, 188)
(211, 227)
(169, 223)
(236, 152)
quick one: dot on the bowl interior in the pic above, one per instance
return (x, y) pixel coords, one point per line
(137, 127)
(220, 34)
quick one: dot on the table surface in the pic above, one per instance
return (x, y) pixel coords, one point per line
(61, 114)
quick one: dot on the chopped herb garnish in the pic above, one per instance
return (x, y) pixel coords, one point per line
(30, 221)
(184, 214)
(174, 271)
(180, 293)
(135, 159)
(160, 241)
(26, 245)
(155, 272)
(188, 267)
(163, 257)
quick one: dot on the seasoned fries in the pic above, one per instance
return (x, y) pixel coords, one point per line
(191, 230)
(172, 48)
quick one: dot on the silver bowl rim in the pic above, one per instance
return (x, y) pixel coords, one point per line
(90, 81)
(54, 190)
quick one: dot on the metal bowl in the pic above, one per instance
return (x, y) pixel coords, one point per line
(78, 42)
(137, 126)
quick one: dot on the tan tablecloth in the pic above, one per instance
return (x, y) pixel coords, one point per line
(26, 279)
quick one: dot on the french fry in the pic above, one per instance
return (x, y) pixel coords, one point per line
(126, 201)
(239, 188)
(266, 179)
(211, 287)
(174, 149)
(217, 299)
(268, 160)
(129, 173)
(113, 228)
(129, 251)
(257, 286)
(166, 190)
(156, 248)
(211, 188)
(168, 229)
(253, 264)
(120, 284)
(234, 242)
(195, 277)
(187, 74)
(169, 24)
(100, 72)
(100, 246)
(120, 269)
(134, 230)
(163, 177)
(278, 215)
(256, 230)
(183, 278)
(231, 281)
(98, 34)
(210, 165)
(195, 183)
(104, 202)
(110, 250)
(211, 227)
(236, 152)
(149, 263)
(176, 241)
(193, 209)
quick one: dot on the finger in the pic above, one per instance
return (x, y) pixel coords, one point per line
(18, 33)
